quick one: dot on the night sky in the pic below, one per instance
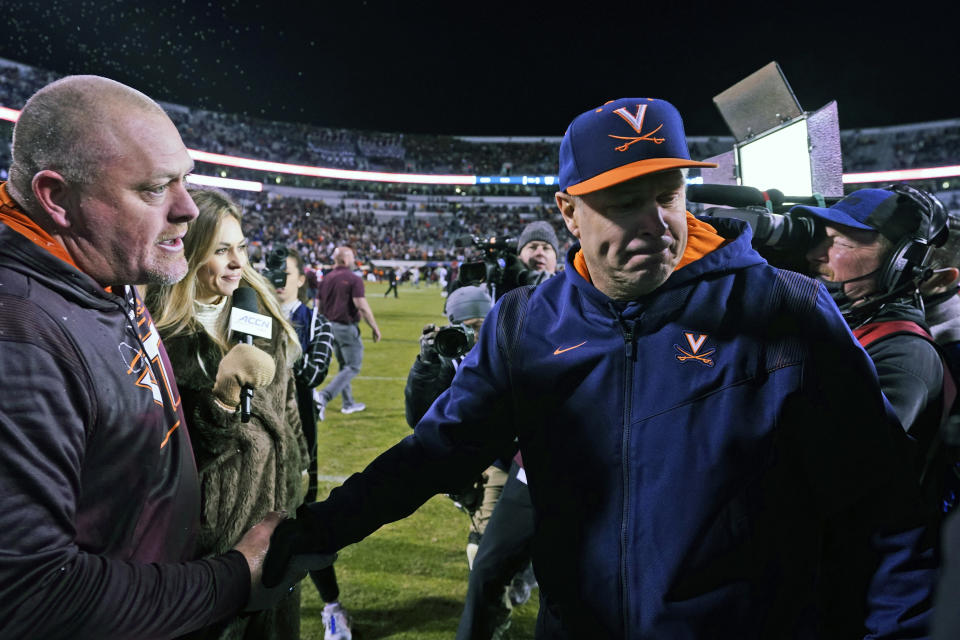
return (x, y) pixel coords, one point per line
(499, 68)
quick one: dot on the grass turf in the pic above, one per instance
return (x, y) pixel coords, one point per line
(409, 579)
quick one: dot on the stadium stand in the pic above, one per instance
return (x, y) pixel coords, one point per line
(392, 222)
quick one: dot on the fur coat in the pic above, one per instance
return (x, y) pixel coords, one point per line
(247, 469)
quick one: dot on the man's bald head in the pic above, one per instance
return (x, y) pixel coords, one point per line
(67, 127)
(343, 257)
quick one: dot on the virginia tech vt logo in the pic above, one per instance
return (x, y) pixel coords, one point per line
(696, 343)
(636, 122)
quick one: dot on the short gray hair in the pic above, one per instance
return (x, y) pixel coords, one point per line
(64, 127)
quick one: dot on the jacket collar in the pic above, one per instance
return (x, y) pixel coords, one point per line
(53, 273)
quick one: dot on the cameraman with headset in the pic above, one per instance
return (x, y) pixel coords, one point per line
(875, 254)
(875, 251)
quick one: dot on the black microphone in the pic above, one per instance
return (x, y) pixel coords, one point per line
(246, 322)
(733, 195)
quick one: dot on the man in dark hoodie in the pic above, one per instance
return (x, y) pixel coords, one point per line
(99, 499)
(692, 420)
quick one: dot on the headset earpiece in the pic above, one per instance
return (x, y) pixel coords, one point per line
(909, 260)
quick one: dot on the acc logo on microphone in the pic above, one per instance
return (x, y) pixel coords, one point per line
(251, 322)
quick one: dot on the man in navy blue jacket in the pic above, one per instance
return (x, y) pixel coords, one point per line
(693, 421)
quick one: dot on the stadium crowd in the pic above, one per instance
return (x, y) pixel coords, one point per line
(388, 221)
(864, 150)
(316, 227)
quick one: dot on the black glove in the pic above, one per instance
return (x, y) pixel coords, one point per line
(470, 497)
(264, 596)
(514, 273)
(292, 544)
(428, 350)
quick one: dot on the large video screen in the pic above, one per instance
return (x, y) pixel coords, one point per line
(778, 160)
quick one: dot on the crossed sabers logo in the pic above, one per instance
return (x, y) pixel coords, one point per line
(694, 353)
(636, 121)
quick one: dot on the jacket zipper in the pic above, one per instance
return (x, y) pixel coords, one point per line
(630, 353)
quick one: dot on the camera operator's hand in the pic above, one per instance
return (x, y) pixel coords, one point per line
(244, 364)
(428, 348)
(513, 273)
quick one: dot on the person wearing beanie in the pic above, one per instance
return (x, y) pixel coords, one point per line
(430, 376)
(468, 305)
(538, 247)
(431, 372)
(697, 426)
(498, 548)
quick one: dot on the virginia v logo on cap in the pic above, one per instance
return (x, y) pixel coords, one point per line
(636, 121)
(589, 162)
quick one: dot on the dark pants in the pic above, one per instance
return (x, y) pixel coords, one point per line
(504, 550)
(325, 579)
(393, 287)
(308, 418)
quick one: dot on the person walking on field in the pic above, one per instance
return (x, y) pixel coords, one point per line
(342, 301)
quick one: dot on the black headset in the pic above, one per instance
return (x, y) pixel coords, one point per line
(909, 261)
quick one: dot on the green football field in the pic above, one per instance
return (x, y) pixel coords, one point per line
(409, 579)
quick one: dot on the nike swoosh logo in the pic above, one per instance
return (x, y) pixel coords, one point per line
(559, 350)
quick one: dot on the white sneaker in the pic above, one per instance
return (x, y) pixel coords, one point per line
(353, 408)
(319, 404)
(336, 623)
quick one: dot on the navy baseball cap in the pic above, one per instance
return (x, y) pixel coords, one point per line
(622, 140)
(870, 210)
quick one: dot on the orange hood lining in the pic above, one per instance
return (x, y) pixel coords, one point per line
(702, 239)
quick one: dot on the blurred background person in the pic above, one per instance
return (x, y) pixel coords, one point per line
(392, 280)
(316, 345)
(538, 248)
(431, 374)
(246, 468)
(342, 300)
(501, 573)
(940, 299)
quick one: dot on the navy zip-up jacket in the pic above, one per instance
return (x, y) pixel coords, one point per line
(686, 455)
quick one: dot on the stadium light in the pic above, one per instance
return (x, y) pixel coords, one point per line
(225, 183)
(904, 174)
(9, 114)
(12, 115)
(324, 172)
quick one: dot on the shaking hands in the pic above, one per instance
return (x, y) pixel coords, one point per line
(286, 568)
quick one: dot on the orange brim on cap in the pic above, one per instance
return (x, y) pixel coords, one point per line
(633, 170)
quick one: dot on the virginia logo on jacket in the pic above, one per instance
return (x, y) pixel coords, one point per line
(694, 355)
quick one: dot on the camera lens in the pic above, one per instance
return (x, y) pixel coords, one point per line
(451, 342)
